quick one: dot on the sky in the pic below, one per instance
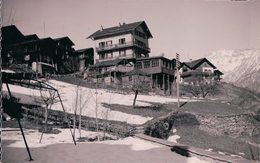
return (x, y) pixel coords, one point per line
(192, 28)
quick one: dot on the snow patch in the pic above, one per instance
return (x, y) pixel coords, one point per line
(195, 160)
(173, 138)
(7, 71)
(222, 153)
(210, 149)
(135, 143)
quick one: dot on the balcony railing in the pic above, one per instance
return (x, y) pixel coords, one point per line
(118, 46)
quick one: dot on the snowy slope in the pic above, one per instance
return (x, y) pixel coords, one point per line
(241, 67)
(88, 96)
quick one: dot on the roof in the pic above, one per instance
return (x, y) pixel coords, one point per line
(135, 72)
(111, 63)
(121, 29)
(153, 57)
(83, 50)
(107, 63)
(11, 35)
(66, 38)
(43, 40)
(218, 72)
(31, 37)
(196, 63)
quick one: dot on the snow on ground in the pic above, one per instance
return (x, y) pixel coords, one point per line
(222, 153)
(7, 71)
(210, 149)
(33, 137)
(92, 99)
(195, 160)
(173, 138)
(22, 90)
(135, 143)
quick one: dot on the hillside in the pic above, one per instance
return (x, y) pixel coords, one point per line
(240, 67)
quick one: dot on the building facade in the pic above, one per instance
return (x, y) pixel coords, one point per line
(125, 41)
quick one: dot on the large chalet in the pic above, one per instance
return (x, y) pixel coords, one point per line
(123, 49)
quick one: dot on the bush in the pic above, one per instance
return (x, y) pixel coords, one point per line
(162, 128)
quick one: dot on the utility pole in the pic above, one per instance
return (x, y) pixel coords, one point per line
(96, 93)
(177, 65)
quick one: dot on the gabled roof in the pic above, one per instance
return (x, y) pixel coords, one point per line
(196, 63)
(124, 28)
(11, 35)
(66, 39)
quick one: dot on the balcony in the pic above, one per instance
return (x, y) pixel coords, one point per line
(120, 46)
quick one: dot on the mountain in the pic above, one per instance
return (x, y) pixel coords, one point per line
(240, 67)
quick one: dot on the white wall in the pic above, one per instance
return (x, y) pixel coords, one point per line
(115, 39)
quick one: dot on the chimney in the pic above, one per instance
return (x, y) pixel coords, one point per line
(119, 24)
(102, 28)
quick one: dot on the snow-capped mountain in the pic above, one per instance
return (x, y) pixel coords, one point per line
(241, 67)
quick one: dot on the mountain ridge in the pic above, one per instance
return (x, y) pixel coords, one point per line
(240, 67)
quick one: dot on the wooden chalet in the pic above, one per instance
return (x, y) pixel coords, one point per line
(200, 69)
(39, 54)
(43, 55)
(83, 58)
(160, 70)
(64, 53)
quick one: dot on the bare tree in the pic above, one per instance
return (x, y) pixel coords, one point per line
(139, 84)
(48, 97)
(201, 87)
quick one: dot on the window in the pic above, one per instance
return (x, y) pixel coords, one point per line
(121, 41)
(155, 63)
(122, 53)
(164, 64)
(102, 44)
(138, 65)
(102, 56)
(109, 43)
(146, 64)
